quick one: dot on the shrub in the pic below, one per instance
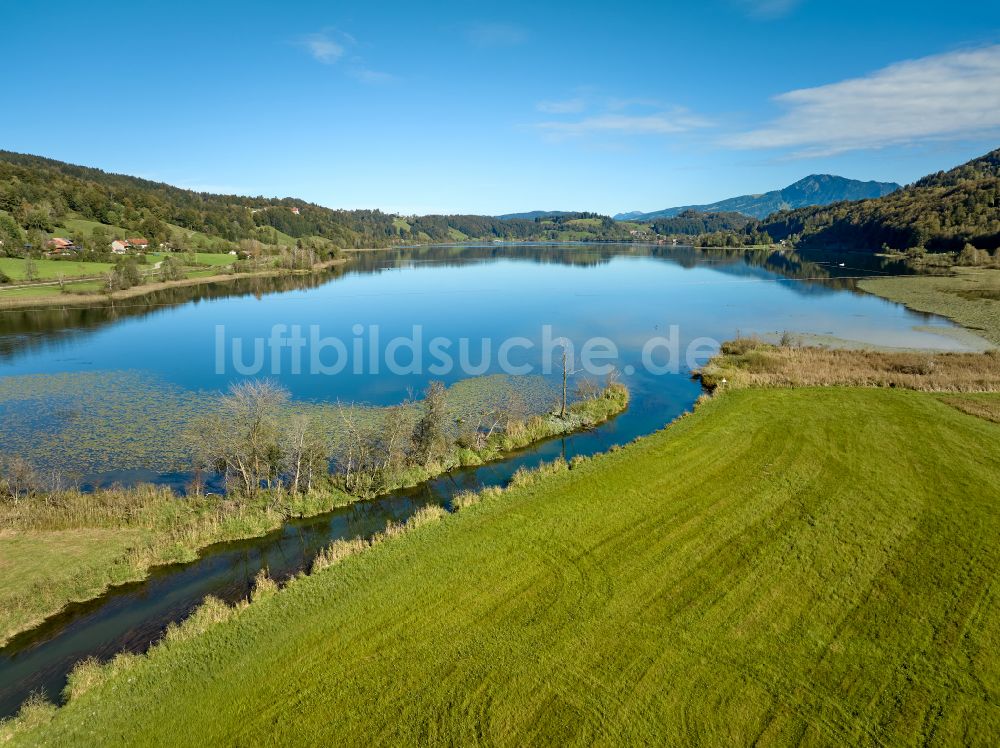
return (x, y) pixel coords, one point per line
(205, 616)
(740, 345)
(263, 586)
(171, 270)
(464, 499)
(337, 550)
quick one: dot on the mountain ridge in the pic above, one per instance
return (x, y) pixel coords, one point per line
(813, 190)
(940, 212)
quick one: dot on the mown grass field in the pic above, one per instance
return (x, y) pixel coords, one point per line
(51, 269)
(52, 567)
(810, 566)
(214, 259)
(970, 296)
(207, 264)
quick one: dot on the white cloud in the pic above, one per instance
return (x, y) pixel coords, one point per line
(565, 106)
(943, 97)
(324, 48)
(657, 123)
(495, 34)
(331, 46)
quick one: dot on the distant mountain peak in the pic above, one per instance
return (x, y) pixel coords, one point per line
(815, 189)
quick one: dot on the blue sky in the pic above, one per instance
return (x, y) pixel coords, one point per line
(498, 107)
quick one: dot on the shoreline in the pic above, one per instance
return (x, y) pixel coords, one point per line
(96, 299)
(270, 521)
(952, 296)
(214, 613)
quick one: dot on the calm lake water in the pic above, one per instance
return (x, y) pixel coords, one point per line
(484, 295)
(627, 294)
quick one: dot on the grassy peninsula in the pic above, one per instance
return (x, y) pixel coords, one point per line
(65, 546)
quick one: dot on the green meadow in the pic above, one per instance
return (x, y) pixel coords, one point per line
(14, 268)
(808, 566)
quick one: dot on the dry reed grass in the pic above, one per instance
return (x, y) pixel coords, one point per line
(748, 362)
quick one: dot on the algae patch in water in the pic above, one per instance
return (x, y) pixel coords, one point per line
(86, 423)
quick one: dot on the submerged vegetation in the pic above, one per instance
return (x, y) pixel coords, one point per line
(969, 296)
(103, 421)
(624, 598)
(59, 544)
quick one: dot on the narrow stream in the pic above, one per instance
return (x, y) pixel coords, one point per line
(131, 617)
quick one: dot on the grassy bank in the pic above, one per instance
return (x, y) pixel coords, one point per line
(71, 546)
(92, 292)
(783, 566)
(583, 414)
(969, 296)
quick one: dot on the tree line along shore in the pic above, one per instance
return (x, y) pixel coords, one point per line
(275, 463)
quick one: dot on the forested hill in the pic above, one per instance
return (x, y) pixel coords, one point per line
(40, 192)
(692, 223)
(531, 215)
(941, 212)
(816, 189)
(41, 197)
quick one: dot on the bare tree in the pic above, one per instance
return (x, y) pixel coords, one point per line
(305, 453)
(241, 439)
(587, 389)
(358, 469)
(430, 436)
(18, 478)
(566, 374)
(397, 437)
(372, 454)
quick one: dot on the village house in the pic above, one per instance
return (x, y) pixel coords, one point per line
(122, 246)
(295, 211)
(58, 245)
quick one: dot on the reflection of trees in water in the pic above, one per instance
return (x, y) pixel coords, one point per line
(578, 255)
(28, 329)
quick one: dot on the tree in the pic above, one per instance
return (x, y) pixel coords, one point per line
(100, 238)
(396, 440)
(125, 274)
(30, 269)
(430, 434)
(17, 478)
(305, 453)
(171, 269)
(241, 440)
(11, 237)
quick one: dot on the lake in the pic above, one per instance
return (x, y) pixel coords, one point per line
(111, 388)
(73, 381)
